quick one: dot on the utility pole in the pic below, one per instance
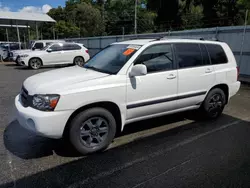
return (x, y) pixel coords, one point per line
(7, 35)
(136, 2)
(243, 38)
(123, 33)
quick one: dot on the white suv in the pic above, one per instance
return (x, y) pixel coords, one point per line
(127, 82)
(36, 45)
(54, 54)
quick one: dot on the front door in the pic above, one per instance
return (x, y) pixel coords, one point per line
(155, 92)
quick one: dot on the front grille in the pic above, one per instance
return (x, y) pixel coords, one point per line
(25, 98)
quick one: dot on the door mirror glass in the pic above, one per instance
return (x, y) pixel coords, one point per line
(138, 70)
(33, 48)
(49, 50)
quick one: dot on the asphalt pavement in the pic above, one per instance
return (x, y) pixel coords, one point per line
(171, 151)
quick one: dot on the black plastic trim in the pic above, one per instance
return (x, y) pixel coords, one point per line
(165, 100)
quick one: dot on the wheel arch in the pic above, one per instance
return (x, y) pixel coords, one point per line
(224, 87)
(36, 58)
(110, 106)
(79, 56)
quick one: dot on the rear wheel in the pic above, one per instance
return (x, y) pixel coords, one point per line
(92, 130)
(35, 63)
(79, 61)
(214, 104)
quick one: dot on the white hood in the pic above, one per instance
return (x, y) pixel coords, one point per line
(52, 81)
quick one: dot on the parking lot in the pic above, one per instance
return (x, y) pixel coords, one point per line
(171, 151)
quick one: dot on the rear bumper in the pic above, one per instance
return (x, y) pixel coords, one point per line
(234, 88)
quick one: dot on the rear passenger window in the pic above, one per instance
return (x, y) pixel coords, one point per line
(217, 54)
(76, 47)
(188, 55)
(67, 47)
(205, 55)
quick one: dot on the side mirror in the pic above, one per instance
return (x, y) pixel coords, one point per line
(33, 48)
(49, 50)
(138, 70)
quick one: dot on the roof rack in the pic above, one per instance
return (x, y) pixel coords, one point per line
(175, 37)
(195, 38)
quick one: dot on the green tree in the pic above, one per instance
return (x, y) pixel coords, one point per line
(66, 29)
(89, 20)
(243, 5)
(191, 15)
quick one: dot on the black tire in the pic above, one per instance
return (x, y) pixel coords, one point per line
(17, 60)
(80, 134)
(35, 63)
(213, 104)
(79, 61)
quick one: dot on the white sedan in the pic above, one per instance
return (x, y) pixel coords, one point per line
(55, 54)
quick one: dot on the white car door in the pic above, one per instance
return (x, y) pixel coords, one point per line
(155, 92)
(70, 51)
(195, 73)
(53, 54)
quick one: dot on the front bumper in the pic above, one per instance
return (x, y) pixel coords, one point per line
(23, 61)
(48, 124)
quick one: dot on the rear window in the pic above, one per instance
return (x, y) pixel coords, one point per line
(217, 54)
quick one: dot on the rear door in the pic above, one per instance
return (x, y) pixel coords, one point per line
(195, 73)
(70, 51)
(55, 56)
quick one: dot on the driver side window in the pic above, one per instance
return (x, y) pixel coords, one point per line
(157, 58)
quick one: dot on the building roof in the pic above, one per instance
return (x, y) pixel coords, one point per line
(21, 18)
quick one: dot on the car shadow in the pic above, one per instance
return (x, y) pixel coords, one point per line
(27, 145)
(11, 65)
(91, 168)
(43, 67)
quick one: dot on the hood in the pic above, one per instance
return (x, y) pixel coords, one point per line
(54, 81)
(20, 51)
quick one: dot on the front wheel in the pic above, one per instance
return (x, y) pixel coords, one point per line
(214, 104)
(92, 130)
(35, 63)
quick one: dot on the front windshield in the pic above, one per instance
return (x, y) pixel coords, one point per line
(111, 59)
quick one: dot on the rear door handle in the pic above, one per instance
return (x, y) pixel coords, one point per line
(208, 70)
(171, 76)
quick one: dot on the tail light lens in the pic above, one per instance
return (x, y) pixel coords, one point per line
(87, 51)
(238, 72)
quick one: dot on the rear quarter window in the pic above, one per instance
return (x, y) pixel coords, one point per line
(217, 54)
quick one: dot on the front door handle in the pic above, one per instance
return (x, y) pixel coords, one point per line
(208, 70)
(171, 76)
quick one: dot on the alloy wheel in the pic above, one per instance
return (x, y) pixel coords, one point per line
(94, 131)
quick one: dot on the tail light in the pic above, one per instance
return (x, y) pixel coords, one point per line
(238, 72)
(87, 51)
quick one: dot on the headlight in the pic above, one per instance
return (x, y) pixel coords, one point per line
(25, 55)
(45, 102)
